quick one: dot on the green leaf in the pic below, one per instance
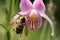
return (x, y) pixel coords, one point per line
(4, 27)
(11, 10)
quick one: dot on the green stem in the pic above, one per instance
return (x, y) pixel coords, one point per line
(8, 35)
(7, 31)
(11, 10)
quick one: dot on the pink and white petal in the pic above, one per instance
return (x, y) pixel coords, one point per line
(39, 5)
(25, 5)
(23, 13)
(49, 20)
(14, 19)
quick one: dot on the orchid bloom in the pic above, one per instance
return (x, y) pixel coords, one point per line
(34, 13)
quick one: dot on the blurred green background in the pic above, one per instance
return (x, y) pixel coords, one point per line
(8, 8)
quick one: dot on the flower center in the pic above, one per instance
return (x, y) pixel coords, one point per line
(33, 17)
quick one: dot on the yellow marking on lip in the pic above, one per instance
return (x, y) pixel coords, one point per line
(33, 17)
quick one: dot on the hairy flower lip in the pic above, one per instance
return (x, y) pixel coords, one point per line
(34, 17)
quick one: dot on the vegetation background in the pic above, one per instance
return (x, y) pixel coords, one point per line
(8, 8)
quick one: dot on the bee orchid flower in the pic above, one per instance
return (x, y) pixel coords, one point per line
(34, 13)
